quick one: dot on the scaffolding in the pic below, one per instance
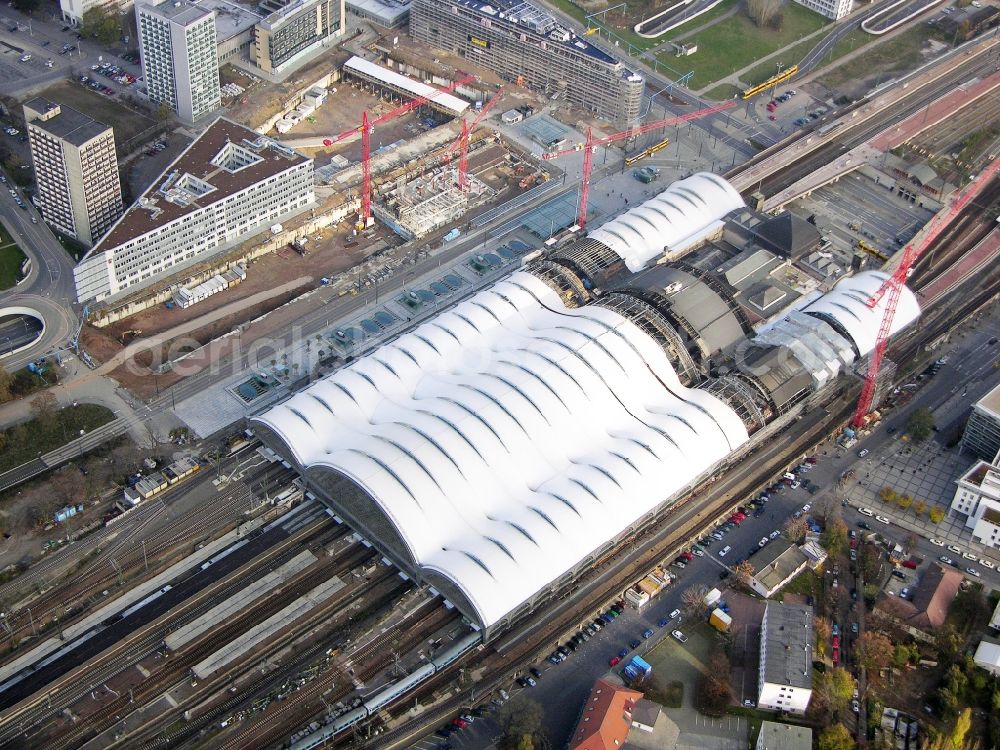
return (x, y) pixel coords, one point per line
(418, 206)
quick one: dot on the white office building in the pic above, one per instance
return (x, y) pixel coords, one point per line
(835, 9)
(180, 64)
(786, 650)
(977, 496)
(230, 183)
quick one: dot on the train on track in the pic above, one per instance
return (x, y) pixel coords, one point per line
(375, 703)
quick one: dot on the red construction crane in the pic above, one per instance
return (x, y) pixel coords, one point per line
(463, 139)
(591, 144)
(894, 284)
(366, 128)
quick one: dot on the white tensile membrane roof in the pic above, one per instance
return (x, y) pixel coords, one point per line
(669, 220)
(847, 303)
(510, 437)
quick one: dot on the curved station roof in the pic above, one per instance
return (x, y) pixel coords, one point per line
(847, 304)
(669, 220)
(510, 437)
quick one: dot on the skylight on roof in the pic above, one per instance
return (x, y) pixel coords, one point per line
(233, 157)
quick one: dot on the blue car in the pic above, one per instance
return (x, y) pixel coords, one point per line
(623, 653)
(634, 643)
(662, 623)
(647, 633)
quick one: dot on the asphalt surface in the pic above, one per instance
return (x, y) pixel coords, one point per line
(48, 288)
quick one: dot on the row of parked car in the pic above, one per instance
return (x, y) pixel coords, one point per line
(115, 73)
(588, 631)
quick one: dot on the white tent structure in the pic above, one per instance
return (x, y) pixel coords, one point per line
(508, 439)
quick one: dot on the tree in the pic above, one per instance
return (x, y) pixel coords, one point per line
(834, 536)
(714, 691)
(517, 718)
(763, 12)
(693, 600)
(103, 23)
(6, 382)
(525, 743)
(45, 412)
(821, 630)
(743, 572)
(936, 514)
(869, 562)
(904, 501)
(873, 651)
(910, 543)
(948, 641)
(920, 507)
(920, 424)
(163, 112)
(962, 725)
(887, 494)
(795, 528)
(835, 737)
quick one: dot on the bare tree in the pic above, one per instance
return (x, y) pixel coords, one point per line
(763, 12)
(693, 600)
(795, 528)
(743, 571)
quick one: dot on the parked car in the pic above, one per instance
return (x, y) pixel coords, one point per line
(973, 572)
(969, 556)
(863, 525)
(864, 451)
(679, 636)
(866, 512)
(954, 548)
(647, 633)
(936, 542)
(614, 661)
(855, 706)
(948, 561)
(623, 653)
(986, 563)
(634, 643)
(724, 551)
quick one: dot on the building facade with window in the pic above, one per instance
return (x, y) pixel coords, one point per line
(230, 183)
(76, 170)
(835, 9)
(526, 44)
(292, 30)
(786, 651)
(982, 432)
(977, 497)
(180, 64)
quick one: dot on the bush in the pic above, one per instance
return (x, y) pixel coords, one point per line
(936, 514)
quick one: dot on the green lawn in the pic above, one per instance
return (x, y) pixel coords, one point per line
(621, 26)
(11, 258)
(26, 441)
(736, 42)
(786, 57)
(883, 59)
(722, 92)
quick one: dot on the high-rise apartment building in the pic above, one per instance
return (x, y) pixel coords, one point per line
(180, 61)
(526, 44)
(230, 183)
(76, 170)
(835, 9)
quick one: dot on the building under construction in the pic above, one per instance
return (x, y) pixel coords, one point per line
(414, 208)
(526, 45)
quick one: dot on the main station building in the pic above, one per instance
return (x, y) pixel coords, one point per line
(498, 449)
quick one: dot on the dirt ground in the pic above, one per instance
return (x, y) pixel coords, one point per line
(126, 122)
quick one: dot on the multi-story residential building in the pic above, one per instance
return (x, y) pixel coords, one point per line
(775, 736)
(982, 432)
(76, 170)
(231, 182)
(786, 650)
(526, 44)
(835, 9)
(180, 63)
(293, 29)
(977, 496)
(73, 10)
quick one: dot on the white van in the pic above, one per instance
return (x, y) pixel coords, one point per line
(866, 512)
(789, 476)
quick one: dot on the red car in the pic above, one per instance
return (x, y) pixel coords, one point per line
(836, 642)
(836, 655)
(811, 460)
(460, 723)
(688, 556)
(614, 661)
(910, 564)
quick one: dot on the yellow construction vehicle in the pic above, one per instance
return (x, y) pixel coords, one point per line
(872, 251)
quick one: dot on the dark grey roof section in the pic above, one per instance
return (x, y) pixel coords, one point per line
(788, 653)
(788, 235)
(70, 125)
(697, 307)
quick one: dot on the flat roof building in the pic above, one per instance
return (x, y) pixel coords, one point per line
(835, 9)
(786, 652)
(775, 565)
(180, 63)
(776, 736)
(292, 30)
(977, 496)
(76, 170)
(982, 432)
(390, 14)
(526, 44)
(228, 184)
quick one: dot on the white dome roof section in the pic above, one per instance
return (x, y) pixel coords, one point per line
(669, 220)
(508, 438)
(847, 304)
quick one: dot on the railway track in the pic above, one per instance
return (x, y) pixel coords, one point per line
(177, 668)
(34, 711)
(301, 706)
(126, 557)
